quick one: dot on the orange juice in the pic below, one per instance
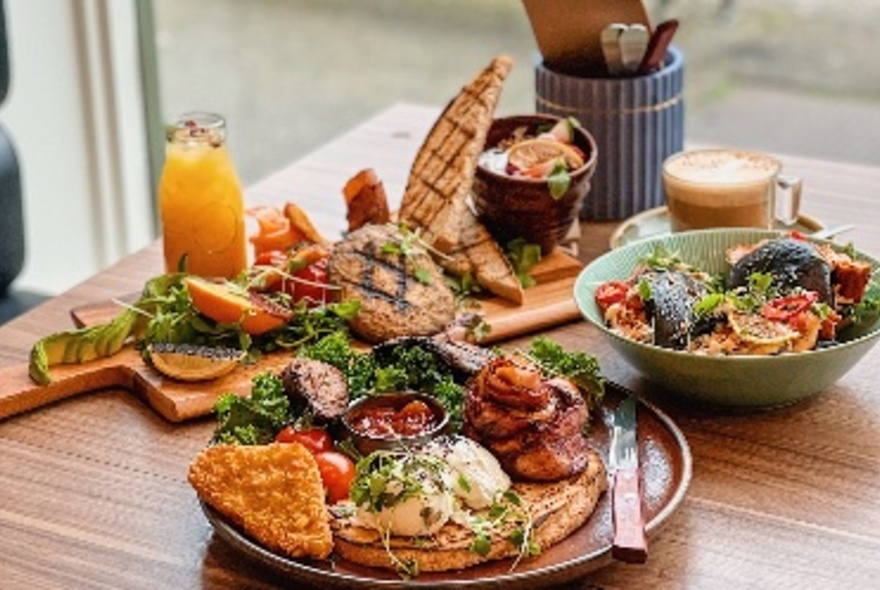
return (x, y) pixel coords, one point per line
(200, 200)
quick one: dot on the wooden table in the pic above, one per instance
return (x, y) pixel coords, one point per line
(93, 490)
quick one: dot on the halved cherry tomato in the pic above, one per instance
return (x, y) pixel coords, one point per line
(337, 473)
(784, 309)
(302, 273)
(311, 284)
(315, 440)
(610, 293)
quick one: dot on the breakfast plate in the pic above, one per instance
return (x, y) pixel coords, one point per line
(656, 222)
(666, 469)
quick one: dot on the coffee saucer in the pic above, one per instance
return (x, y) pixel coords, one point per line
(655, 222)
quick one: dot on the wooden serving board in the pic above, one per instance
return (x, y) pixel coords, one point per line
(548, 303)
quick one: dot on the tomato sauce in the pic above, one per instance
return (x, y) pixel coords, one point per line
(413, 419)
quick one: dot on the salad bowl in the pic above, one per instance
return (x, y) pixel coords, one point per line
(735, 381)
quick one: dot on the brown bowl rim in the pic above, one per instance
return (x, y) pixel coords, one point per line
(589, 164)
(377, 398)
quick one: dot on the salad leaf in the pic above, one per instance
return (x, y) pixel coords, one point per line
(662, 259)
(708, 304)
(559, 179)
(523, 257)
(865, 313)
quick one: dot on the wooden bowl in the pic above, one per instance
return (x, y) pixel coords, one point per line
(516, 207)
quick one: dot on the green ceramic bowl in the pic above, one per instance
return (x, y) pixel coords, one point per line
(745, 381)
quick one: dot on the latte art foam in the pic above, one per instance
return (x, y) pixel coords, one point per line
(721, 166)
(720, 188)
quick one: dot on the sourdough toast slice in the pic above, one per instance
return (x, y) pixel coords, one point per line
(440, 180)
(444, 167)
(557, 510)
(478, 254)
(274, 492)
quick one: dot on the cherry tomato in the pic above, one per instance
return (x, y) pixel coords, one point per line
(337, 473)
(784, 309)
(311, 284)
(610, 293)
(315, 440)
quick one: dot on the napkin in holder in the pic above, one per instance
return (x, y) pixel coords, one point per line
(637, 121)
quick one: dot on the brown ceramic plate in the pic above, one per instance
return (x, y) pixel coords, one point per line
(666, 471)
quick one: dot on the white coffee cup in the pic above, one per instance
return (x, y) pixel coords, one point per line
(729, 188)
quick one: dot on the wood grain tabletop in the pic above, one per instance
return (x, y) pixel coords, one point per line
(93, 490)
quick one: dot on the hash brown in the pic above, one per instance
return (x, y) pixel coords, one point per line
(273, 492)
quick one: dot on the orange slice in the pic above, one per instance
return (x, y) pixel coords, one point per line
(193, 363)
(759, 330)
(532, 152)
(221, 304)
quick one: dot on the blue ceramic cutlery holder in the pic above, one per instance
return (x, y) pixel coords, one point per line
(637, 123)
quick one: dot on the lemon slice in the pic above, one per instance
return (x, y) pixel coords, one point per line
(759, 330)
(532, 152)
(187, 362)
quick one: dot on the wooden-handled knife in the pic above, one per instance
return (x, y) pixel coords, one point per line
(630, 544)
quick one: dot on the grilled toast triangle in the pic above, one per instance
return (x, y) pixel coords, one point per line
(478, 254)
(440, 180)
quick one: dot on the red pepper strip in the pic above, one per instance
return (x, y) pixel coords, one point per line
(610, 293)
(785, 308)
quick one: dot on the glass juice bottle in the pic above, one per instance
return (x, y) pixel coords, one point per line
(200, 200)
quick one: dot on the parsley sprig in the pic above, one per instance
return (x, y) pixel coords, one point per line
(582, 369)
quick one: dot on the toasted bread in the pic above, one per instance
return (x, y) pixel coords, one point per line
(435, 199)
(557, 510)
(274, 492)
(478, 254)
(444, 167)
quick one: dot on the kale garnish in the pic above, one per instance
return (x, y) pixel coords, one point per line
(253, 420)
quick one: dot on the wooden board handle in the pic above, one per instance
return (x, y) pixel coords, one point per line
(630, 544)
(18, 393)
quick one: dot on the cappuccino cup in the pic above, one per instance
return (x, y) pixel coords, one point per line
(729, 188)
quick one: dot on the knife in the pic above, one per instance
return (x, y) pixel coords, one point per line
(630, 544)
(633, 44)
(610, 41)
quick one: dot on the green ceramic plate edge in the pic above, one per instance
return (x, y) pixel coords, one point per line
(743, 381)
